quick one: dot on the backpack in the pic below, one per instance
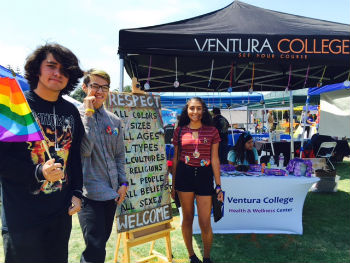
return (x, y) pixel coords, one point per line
(222, 125)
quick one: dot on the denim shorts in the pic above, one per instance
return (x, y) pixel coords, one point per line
(198, 180)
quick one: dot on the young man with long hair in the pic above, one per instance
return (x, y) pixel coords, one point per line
(40, 194)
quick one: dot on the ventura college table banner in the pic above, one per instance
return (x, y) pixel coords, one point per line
(268, 204)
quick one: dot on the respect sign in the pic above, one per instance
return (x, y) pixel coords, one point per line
(148, 199)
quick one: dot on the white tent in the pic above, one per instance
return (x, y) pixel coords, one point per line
(335, 113)
(71, 100)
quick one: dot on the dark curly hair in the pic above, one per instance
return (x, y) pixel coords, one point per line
(206, 117)
(63, 55)
(240, 150)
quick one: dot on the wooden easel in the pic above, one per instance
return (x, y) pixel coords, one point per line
(143, 235)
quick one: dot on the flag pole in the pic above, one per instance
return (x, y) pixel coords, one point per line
(43, 142)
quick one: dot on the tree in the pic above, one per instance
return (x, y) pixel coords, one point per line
(18, 71)
(127, 88)
(78, 94)
(15, 69)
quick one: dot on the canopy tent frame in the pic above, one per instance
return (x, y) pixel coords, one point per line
(176, 40)
(264, 80)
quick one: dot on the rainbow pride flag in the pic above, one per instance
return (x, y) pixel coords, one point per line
(17, 123)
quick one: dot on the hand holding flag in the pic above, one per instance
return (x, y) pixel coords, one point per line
(17, 123)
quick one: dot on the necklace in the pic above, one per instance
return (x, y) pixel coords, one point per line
(196, 153)
(57, 148)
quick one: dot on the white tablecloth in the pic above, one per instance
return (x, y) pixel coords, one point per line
(265, 204)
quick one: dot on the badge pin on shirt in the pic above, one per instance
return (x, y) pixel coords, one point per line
(109, 130)
(205, 140)
(115, 131)
(205, 162)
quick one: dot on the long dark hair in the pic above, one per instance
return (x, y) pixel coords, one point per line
(63, 55)
(206, 117)
(240, 149)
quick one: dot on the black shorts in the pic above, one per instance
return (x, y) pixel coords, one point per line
(194, 179)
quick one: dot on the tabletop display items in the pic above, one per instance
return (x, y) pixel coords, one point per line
(275, 172)
(242, 168)
(227, 167)
(300, 167)
(271, 163)
(255, 167)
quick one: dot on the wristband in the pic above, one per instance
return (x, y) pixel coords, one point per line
(125, 184)
(78, 194)
(90, 110)
(39, 176)
(218, 187)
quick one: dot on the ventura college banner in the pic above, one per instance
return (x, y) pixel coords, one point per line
(267, 204)
(148, 198)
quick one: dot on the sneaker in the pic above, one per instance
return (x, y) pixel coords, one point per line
(194, 259)
(207, 260)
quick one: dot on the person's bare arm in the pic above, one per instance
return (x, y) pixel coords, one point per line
(175, 161)
(215, 163)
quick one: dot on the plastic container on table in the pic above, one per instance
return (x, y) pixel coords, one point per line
(281, 160)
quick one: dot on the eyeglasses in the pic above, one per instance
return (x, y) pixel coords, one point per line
(96, 87)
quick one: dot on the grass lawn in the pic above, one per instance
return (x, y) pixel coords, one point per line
(326, 235)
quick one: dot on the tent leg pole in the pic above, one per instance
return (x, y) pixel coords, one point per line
(247, 119)
(270, 138)
(233, 137)
(304, 123)
(291, 121)
(121, 74)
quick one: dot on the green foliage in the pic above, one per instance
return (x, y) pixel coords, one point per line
(78, 94)
(127, 88)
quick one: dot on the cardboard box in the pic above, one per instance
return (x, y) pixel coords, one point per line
(326, 185)
(317, 163)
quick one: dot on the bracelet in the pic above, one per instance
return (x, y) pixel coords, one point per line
(220, 191)
(90, 110)
(218, 186)
(125, 184)
(36, 174)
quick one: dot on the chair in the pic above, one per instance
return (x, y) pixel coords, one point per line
(326, 151)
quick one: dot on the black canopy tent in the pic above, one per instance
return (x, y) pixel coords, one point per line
(244, 35)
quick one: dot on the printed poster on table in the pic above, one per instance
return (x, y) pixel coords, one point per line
(148, 198)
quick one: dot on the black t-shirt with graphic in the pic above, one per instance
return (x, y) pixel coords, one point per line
(27, 198)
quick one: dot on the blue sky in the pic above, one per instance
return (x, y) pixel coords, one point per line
(90, 27)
